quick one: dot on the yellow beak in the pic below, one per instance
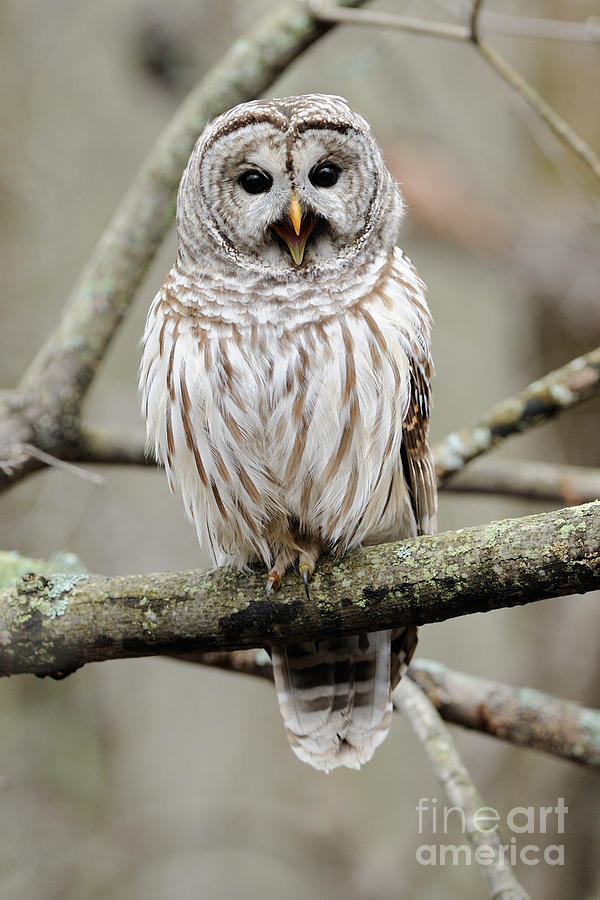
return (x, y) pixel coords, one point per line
(295, 213)
(295, 229)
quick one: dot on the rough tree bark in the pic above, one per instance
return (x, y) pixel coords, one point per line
(54, 624)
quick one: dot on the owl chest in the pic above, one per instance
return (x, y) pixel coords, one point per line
(258, 379)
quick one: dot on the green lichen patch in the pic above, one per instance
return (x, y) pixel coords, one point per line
(47, 595)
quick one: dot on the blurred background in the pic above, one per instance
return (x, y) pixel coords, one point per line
(154, 778)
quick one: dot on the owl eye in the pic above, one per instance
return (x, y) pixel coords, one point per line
(255, 182)
(324, 175)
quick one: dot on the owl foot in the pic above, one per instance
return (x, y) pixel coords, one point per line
(282, 563)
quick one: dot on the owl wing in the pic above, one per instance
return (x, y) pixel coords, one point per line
(417, 458)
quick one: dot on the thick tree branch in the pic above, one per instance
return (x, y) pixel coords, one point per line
(458, 786)
(45, 408)
(538, 402)
(55, 624)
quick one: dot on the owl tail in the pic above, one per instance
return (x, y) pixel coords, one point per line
(335, 695)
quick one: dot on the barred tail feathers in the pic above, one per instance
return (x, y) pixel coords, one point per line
(334, 695)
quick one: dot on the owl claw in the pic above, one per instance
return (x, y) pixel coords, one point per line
(306, 572)
(273, 582)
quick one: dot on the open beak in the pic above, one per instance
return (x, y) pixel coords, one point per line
(295, 229)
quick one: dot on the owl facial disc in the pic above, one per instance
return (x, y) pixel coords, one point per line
(294, 230)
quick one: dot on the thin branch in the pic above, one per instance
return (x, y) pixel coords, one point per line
(56, 624)
(498, 23)
(52, 389)
(540, 401)
(69, 468)
(537, 480)
(328, 12)
(474, 20)
(242, 662)
(458, 786)
(520, 715)
(555, 123)
(528, 26)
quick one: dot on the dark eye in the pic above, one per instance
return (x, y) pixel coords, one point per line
(255, 182)
(324, 175)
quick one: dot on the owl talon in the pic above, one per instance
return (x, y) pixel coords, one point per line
(273, 582)
(306, 572)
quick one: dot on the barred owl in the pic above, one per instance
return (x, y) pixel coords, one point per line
(285, 382)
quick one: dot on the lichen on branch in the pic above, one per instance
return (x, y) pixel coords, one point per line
(50, 626)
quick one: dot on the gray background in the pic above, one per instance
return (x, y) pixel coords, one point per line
(153, 778)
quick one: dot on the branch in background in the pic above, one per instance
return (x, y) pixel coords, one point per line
(527, 26)
(327, 11)
(521, 478)
(458, 786)
(517, 478)
(555, 123)
(519, 715)
(119, 446)
(55, 624)
(48, 401)
(540, 401)
(474, 20)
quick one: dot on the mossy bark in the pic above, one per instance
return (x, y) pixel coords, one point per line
(52, 624)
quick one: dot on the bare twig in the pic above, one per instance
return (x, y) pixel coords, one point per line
(474, 20)
(52, 624)
(63, 465)
(527, 26)
(543, 109)
(540, 401)
(328, 12)
(521, 715)
(521, 478)
(458, 786)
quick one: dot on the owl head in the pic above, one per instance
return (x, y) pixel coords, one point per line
(287, 186)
